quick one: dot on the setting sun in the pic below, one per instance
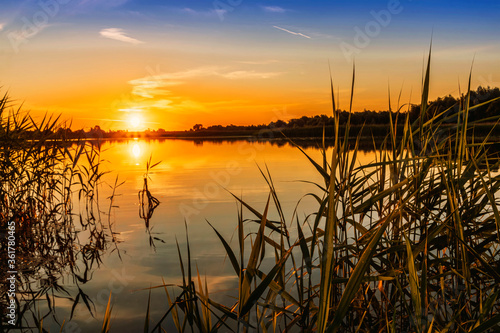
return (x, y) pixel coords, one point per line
(135, 121)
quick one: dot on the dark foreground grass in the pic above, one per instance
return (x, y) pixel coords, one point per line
(409, 243)
(49, 193)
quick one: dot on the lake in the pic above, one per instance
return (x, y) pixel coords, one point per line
(420, 227)
(192, 183)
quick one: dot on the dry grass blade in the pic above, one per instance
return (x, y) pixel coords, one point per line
(490, 324)
(327, 258)
(253, 262)
(106, 324)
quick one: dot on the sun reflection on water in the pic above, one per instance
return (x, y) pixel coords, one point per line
(136, 152)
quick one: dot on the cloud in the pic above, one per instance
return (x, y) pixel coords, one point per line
(190, 11)
(257, 62)
(154, 84)
(150, 86)
(104, 119)
(131, 109)
(103, 3)
(249, 75)
(274, 9)
(152, 92)
(291, 32)
(209, 13)
(2, 25)
(118, 34)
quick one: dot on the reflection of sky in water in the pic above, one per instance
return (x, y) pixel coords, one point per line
(189, 183)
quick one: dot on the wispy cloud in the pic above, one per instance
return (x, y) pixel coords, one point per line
(249, 75)
(118, 34)
(131, 109)
(162, 92)
(104, 119)
(207, 13)
(257, 62)
(155, 84)
(2, 25)
(291, 32)
(152, 85)
(149, 87)
(274, 9)
(104, 3)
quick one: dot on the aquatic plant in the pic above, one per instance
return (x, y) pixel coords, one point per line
(408, 243)
(49, 193)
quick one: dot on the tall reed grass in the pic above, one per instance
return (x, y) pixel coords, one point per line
(409, 243)
(49, 188)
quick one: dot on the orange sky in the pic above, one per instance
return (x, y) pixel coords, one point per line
(246, 69)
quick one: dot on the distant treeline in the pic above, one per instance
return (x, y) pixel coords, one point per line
(375, 122)
(368, 117)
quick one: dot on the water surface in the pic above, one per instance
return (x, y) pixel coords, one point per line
(192, 183)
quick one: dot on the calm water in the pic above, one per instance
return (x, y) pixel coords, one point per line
(189, 183)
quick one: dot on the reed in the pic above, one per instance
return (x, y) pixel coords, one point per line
(49, 188)
(408, 243)
(148, 203)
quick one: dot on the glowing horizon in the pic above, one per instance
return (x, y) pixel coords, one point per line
(129, 64)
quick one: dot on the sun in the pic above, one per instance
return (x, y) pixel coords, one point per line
(135, 121)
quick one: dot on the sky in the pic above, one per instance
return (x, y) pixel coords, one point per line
(138, 64)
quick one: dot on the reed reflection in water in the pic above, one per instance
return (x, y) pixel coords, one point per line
(49, 193)
(72, 252)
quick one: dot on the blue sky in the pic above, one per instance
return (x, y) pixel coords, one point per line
(72, 56)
